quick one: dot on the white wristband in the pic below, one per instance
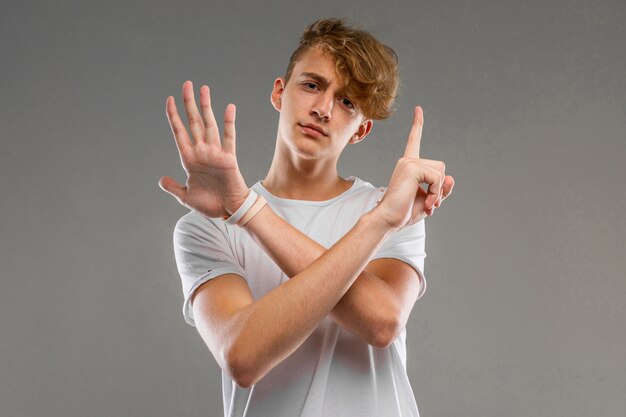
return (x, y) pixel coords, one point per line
(256, 207)
(241, 211)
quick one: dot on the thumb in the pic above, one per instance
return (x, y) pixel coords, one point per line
(173, 188)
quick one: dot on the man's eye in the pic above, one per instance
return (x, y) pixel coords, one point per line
(347, 103)
(310, 85)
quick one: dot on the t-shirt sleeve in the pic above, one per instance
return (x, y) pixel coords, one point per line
(407, 245)
(202, 252)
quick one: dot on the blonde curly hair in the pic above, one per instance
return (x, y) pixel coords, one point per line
(368, 67)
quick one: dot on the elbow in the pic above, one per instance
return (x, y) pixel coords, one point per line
(244, 382)
(240, 369)
(385, 335)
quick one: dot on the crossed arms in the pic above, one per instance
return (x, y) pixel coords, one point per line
(371, 299)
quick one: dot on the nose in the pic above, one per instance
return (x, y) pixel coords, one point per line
(323, 107)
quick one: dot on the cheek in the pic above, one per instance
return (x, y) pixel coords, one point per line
(350, 130)
(287, 105)
(285, 109)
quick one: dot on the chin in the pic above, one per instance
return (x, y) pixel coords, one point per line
(305, 148)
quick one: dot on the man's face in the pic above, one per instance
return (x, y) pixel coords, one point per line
(317, 119)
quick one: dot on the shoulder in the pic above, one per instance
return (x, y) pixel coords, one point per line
(194, 224)
(366, 192)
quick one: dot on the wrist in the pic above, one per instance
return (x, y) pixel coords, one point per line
(259, 203)
(243, 208)
(237, 204)
(377, 219)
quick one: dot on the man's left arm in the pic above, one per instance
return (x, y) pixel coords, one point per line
(375, 308)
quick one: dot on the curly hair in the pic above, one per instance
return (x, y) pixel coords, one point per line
(368, 67)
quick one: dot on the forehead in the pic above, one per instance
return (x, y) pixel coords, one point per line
(316, 61)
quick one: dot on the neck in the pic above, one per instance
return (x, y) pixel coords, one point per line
(296, 178)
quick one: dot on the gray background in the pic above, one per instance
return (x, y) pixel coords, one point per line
(524, 101)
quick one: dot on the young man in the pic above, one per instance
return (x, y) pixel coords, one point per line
(302, 284)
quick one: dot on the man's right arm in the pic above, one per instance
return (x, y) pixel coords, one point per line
(249, 338)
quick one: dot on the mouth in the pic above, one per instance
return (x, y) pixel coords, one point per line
(312, 129)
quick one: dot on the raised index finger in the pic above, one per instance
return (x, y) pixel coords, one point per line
(415, 135)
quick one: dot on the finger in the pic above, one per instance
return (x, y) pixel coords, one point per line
(415, 135)
(438, 202)
(448, 185)
(170, 186)
(433, 198)
(419, 201)
(434, 164)
(228, 143)
(211, 130)
(183, 142)
(434, 179)
(440, 167)
(193, 115)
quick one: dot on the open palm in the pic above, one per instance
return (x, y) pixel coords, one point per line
(214, 186)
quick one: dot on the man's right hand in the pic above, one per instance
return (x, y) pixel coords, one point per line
(405, 202)
(215, 186)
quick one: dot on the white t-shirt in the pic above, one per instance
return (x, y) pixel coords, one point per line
(334, 372)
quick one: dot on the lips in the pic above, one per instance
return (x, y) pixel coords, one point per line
(314, 127)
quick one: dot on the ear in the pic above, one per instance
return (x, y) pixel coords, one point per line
(277, 92)
(364, 129)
